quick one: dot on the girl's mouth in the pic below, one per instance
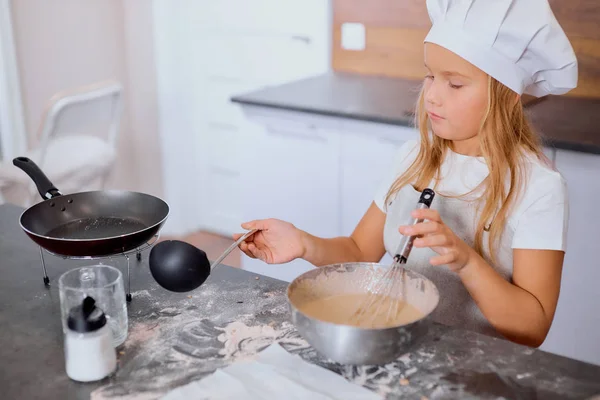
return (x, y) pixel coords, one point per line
(434, 116)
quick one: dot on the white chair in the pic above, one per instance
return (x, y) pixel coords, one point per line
(76, 143)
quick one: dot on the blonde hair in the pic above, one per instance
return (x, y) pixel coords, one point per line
(505, 139)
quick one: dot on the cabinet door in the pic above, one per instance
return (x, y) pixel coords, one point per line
(282, 59)
(258, 60)
(260, 17)
(294, 176)
(576, 327)
(365, 160)
(226, 145)
(205, 53)
(177, 129)
(368, 151)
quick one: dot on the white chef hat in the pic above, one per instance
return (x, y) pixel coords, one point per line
(518, 42)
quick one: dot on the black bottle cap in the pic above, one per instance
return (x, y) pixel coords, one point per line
(86, 317)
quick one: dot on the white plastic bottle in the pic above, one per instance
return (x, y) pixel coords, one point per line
(89, 351)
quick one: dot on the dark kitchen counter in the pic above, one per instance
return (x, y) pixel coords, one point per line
(176, 338)
(568, 123)
(366, 98)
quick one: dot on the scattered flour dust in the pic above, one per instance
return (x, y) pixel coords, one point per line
(142, 332)
(173, 343)
(141, 293)
(245, 342)
(176, 343)
(237, 332)
(96, 395)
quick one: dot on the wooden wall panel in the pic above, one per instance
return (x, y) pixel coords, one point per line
(387, 13)
(395, 30)
(579, 18)
(394, 52)
(588, 56)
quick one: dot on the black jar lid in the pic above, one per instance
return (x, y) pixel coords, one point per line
(86, 317)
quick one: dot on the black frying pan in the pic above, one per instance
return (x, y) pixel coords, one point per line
(89, 224)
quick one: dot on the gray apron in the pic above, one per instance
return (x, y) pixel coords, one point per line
(456, 306)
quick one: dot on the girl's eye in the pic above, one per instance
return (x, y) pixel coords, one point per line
(429, 77)
(455, 86)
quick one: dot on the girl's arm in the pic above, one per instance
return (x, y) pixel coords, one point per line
(522, 310)
(279, 242)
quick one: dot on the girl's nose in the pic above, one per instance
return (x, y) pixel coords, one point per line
(432, 94)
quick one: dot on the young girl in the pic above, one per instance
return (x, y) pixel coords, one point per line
(494, 240)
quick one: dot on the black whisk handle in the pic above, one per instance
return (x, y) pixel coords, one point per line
(427, 196)
(406, 242)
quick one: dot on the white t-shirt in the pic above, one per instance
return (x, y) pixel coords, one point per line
(538, 220)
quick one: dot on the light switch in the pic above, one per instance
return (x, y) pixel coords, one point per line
(353, 36)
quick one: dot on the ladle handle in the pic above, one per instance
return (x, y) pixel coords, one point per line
(233, 246)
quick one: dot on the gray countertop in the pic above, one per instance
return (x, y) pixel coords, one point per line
(176, 338)
(564, 122)
(360, 97)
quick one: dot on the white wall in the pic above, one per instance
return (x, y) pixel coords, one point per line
(65, 43)
(12, 125)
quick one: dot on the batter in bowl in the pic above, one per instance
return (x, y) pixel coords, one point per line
(340, 308)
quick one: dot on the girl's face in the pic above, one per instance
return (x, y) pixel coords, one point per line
(456, 97)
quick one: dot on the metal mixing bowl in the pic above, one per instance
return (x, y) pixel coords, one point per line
(353, 345)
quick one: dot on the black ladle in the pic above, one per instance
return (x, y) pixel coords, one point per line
(181, 267)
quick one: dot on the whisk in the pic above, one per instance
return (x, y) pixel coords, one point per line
(383, 287)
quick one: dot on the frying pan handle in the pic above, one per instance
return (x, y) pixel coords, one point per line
(44, 186)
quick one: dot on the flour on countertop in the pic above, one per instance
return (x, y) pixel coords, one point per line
(141, 293)
(243, 342)
(179, 341)
(176, 341)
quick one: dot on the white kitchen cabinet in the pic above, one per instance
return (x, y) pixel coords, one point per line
(253, 62)
(206, 52)
(298, 173)
(181, 165)
(225, 66)
(214, 94)
(320, 173)
(283, 59)
(280, 17)
(576, 327)
(367, 154)
(294, 176)
(222, 167)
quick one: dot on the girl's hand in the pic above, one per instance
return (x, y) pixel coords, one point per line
(433, 233)
(276, 242)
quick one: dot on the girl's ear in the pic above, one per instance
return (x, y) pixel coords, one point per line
(517, 98)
